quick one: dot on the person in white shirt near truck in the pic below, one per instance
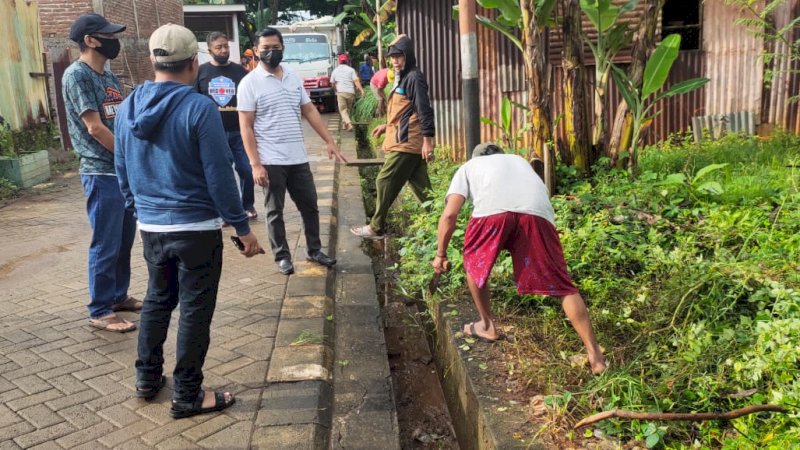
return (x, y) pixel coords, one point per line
(344, 81)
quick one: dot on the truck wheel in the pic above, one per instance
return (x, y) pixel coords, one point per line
(330, 104)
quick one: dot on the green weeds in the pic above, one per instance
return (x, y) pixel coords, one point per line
(7, 189)
(692, 275)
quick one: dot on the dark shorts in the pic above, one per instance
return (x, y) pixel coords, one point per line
(539, 266)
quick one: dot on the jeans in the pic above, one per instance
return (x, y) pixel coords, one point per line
(184, 268)
(113, 230)
(242, 166)
(299, 181)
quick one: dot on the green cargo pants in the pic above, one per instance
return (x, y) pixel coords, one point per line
(398, 167)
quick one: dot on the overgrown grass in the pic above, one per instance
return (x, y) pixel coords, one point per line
(365, 107)
(692, 275)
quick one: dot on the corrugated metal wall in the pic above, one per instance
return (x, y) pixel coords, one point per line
(431, 26)
(733, 61)
(777, 109)
(731, 58)
(23, 98)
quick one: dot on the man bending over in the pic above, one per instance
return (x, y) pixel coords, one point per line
(512, 211)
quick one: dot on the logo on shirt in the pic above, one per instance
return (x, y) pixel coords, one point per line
(111, 103)
(222, 90)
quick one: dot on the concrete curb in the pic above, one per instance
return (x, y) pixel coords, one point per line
(481, 420)
(364, 415)
(297, 404)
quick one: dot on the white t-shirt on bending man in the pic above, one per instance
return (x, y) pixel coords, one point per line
(502, 183)
(344, 77)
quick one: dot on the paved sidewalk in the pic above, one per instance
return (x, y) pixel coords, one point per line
(66, 385)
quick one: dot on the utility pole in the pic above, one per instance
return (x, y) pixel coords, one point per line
(380, 35)
(469, 74)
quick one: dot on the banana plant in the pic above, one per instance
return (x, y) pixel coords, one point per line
(611, 38)
(511, 138)
(509, 17)
(655, 75)
(364, 21)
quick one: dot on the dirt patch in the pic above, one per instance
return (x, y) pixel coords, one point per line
(422, 413)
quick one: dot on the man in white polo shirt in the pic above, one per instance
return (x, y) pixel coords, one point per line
(271, 103)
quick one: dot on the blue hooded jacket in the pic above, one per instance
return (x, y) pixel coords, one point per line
(172, 158)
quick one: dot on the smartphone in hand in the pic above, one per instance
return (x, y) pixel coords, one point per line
(240, 245)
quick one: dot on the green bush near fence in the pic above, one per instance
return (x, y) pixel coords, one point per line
(7, 189)
(16, 142)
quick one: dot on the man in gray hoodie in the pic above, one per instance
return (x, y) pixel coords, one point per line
(172, 172)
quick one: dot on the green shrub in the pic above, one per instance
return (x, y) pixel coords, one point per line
(7, 189)
(365, 107)
(16, 142)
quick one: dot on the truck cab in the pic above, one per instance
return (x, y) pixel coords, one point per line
(311, 57)
(310, 49)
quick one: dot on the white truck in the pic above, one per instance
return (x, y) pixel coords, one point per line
(310, 48)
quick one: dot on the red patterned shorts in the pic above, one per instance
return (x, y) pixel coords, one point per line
(539, 266)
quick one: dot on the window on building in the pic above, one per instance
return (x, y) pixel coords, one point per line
(204, 24)
(682, 17)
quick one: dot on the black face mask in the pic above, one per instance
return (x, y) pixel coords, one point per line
(110, 48)
(271, 58)
(220, 59)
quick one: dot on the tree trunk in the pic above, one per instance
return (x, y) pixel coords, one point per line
(576, 111)
(534, 42)
(273, 13)
(644, 43)
(599, 131)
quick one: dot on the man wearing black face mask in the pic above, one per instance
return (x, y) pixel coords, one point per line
(92, 96)
(219, 79)
(271, 102)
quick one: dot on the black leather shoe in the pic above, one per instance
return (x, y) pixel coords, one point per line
(285, 266)
(322, 259)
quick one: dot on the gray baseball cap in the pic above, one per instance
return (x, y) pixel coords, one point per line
(486, 149)
(172, 43)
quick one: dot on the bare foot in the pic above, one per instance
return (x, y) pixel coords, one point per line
(599, 365)
(478, 330)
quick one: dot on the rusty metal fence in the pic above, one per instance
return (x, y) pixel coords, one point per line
(23, 91)
(731, 56)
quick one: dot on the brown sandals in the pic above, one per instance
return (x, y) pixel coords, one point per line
(113, 323)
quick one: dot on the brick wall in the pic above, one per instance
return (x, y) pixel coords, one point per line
(141, 17)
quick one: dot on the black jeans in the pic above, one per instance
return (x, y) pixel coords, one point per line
(299, 181)
(184, 267)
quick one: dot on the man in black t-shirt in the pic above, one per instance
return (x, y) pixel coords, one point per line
(219, 79)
